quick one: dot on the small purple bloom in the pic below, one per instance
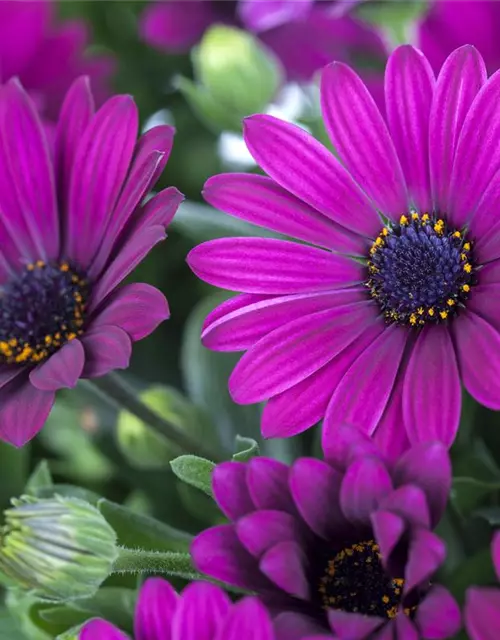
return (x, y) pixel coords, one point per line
(390, 302)
(201, 611)
(305, 35)
(47, 56)
(482, 604)
(72, 226)
(344, 544)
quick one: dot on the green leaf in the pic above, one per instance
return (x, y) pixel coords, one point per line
(40, 478)
(194, 471)
(138, 530)
(71, 634)
(9, 626)
(490, 514)
(246, 448)
(396, 19)
(474, 570)
(467, 493)
(114, 604)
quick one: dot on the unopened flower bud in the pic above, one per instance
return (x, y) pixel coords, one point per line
(57, 548)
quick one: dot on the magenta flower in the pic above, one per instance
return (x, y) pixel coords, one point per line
(202, 610)
(47, 56)
(341, 544)
(72, 227)
(306, 35)
(482, 604)
(378, 324)
(448, 25)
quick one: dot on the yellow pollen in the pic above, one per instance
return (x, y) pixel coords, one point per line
(420, 311)
(466, 288)
(40, 263)
(413, 319)
(450, 302)
(403, 220)
(457, 234)
(414, 216)
(64, 267)
(425, 217)
(467, 267)
(463, 256)
(439, 226)
(71, 336)
(385, 231)
(467, 246)
(431, 311)
(443, 314)
(30, 267)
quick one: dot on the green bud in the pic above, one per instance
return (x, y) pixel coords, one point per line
(58, 549)
(236, 76)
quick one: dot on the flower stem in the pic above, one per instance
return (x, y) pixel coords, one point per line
(170, 563)
(116, 391)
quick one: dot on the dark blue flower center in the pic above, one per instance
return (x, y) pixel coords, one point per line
(420, 270)
(355, 581)
(41, 309)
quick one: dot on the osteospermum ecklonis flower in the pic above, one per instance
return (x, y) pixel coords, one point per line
(72, 226)
(389, 303)
(202, 610)
(343, 545)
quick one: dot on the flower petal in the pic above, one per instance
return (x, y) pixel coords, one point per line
(174, 25)
(348, 445)
(155, 610)
(361, 139)
(390, 435)
(478, 346)
(295, 626)
(286, 565)
(461, 77)
(388, 529)
(353, 626)
(62, 369)
(426, 554)
(260, 201)
(23, 410)
(267, 481)
(495, 552)
(364, 486)
(432, 394)
(482, 613)
(409, 86)
(306, 168)
(410, 503)
(248, 619)
(438, 616)
(296, 350)
(266, 265)
(106, 348)
(265, 14)
(200, 613)
(363, 393)
(261, 530)
(230, 489)
(136, 308)
(101, 630)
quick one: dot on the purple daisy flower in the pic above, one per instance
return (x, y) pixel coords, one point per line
(202, 610)
(482, 604)
(72, 227)
(379, 323)
(305, 35)
(46, 56)
(344, 544)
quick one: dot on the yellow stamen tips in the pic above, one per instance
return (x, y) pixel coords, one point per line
(466, 288)
(457, 234)
(48, 340)
(439, 226)
(467, 246)
(392, 612)
(467, 267)
(385, 231)
(431, 311)
(64, 267)
(463, 256)
(30, 267)
(414, 216)
(450, 302)
(403, 220)
(420, 311)
(12, 342)
(425, 217)
(379, 241)
(385, 599)
(413, 319)
(71, 336)
(39, 264)
(443, 314)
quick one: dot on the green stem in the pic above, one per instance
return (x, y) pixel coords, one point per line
(116, 391)
(171, 563)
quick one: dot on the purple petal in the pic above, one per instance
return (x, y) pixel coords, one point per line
(217, 552)
(427, 466)
(353, 626)
(240, 322)
(266, 265)
(490, 273)
(101, 630)
(62, 370)
(199, 615)
(230, 489)
(478, 346)
(482, 613)
(106, 348)
(260, 201)
(286, 565)
(175, 25)
(388, 529)
(262, 15)
(267, 482)
(409, 86)
(459, 81)
(364, 486)
(303, 166)
(136, 308)
(130, 255)
(348, 445)
(261, 530)
(426, 554)
(314, 484)
(304, 404)
(485, 303)
(409, 502)
(100, 166)
(248, 619)
(477, 155)
(495, 552)
(485, 226)
(363, 393)
(296, 350)
(23, 410)
(31, 172)
(432, 394)
(76, 113)
(390, 435)
(361, 139)
(405, 629)
(438, 616)
(156, 605)
(158, 210)
(295, 626)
